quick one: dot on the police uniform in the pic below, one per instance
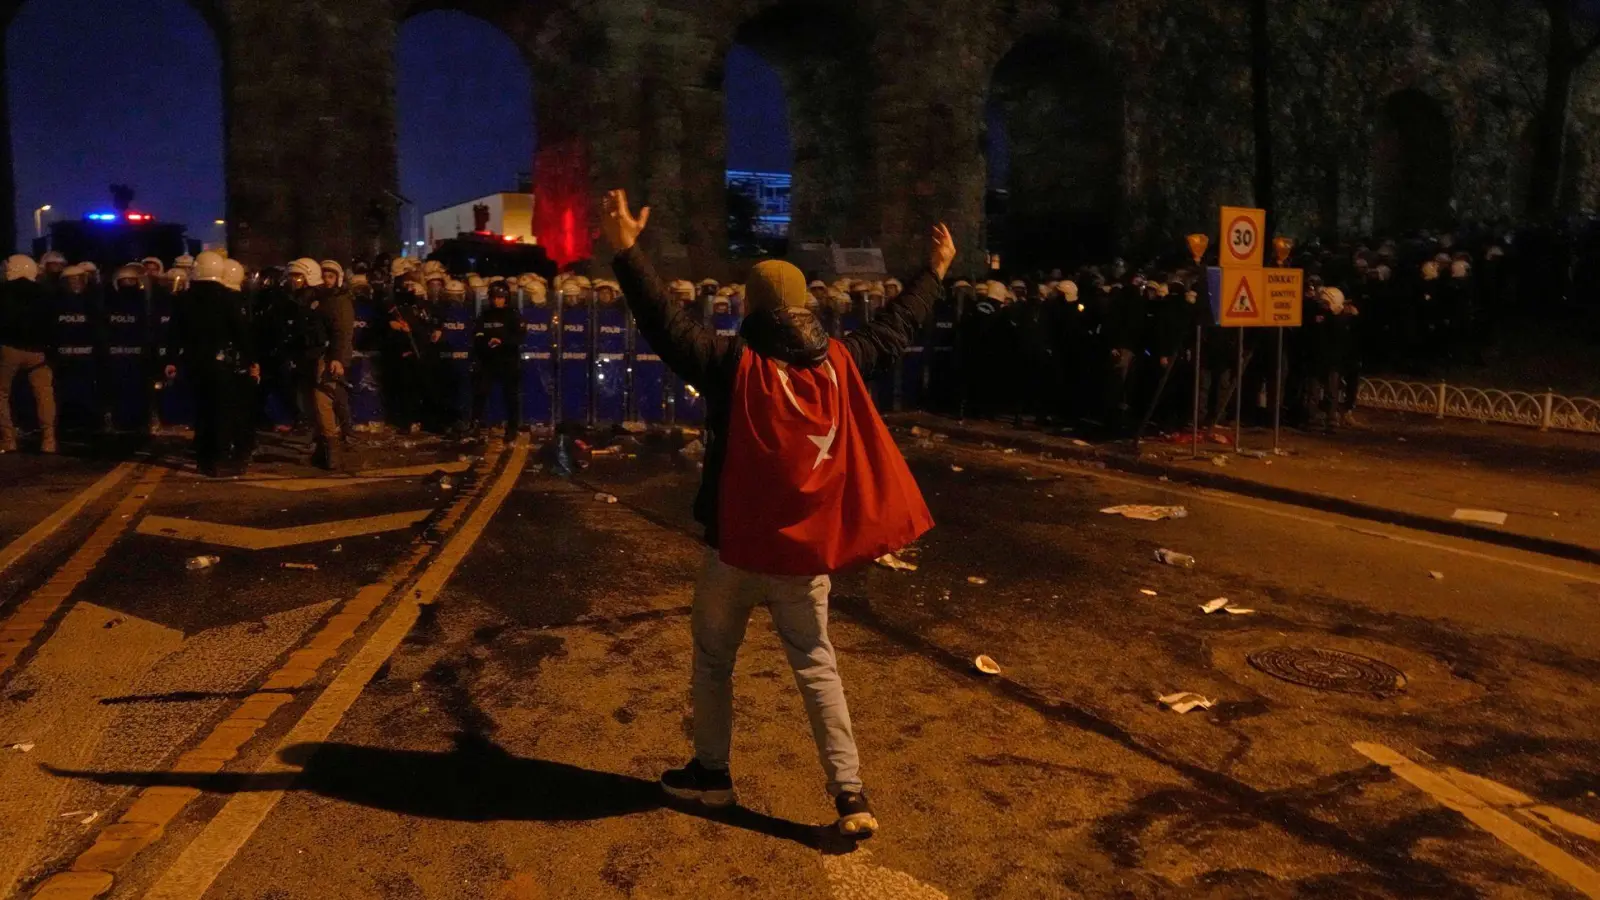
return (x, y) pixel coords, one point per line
(497, 359)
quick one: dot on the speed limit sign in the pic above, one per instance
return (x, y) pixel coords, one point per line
(1242, 231)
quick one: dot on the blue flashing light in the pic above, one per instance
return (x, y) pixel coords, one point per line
(103, 217)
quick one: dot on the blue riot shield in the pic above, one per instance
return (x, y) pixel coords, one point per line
(685, 405)
(941, 376)
(366, 400)
(457, 320)
(538, 364)
(573, 364)
(649, 387)
(129, 365)
(77, 406)
(610, 362)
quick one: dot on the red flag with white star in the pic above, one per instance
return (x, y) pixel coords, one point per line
(812, 482)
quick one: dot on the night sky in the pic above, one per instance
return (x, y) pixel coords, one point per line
(92, 105)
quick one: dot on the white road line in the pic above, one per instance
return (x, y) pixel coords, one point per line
(1465, 799)
(192, 874)
(34, 536)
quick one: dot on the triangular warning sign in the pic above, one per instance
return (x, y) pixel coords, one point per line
(1244, 300)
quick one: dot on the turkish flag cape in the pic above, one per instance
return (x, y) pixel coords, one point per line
(812, 482)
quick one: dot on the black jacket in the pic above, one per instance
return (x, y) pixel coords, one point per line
(210, 327)
(695, 354)
(504, 323)
(27, 316)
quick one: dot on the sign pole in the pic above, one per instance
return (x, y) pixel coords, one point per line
(1194, 443)
(1238, 399)
(1277, 393)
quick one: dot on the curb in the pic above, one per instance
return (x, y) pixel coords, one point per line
(1233, 484)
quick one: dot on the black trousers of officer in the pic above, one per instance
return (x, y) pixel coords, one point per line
(509, 378)
(403, 387)
(223, 431)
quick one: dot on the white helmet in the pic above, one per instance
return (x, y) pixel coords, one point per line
(132, 271)
(208, 267)
(307, 268)
(233, 275)
(177, 280)
(400, 267)
(54, 257)
(185, 262)
(333, 265)
(455, 287)
(23, 267)
(433, 267)
(1333, 298)
(1068, 290)
(78, 271)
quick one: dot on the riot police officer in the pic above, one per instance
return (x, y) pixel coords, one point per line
(210, 338)
(497, 358)
(27, 343)
(327, 328)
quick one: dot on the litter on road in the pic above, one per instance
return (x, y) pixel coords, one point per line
(605, 498)
(1220, 461)
(973, 579)
(1239, 611)
(1486, 516)
(1147, 513)
(890, 561)
(1174, 558)
(196, 563)
(985, 664)
(1184, 701)
(1147, 592)
(1436, 575)
(22, 748)
(957, 469)
(1212, 606)
(304, 567)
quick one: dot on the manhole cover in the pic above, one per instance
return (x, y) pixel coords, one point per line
(1329, 670)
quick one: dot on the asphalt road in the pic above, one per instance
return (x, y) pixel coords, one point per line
(493, 727)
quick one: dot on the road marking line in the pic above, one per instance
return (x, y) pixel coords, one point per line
(366, 476)
(34, 536)
(210, 852)
(93, 871)
(30, 616)
(244, 537)
(1457, 795)
(1213, 496)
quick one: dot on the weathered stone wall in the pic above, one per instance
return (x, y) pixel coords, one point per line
(887, 103)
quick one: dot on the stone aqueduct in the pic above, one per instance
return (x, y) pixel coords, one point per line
(1124, 116)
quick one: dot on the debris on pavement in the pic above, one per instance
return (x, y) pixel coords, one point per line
(603, 497)
(1174, 558)
(1219, 461)
(957, 469)
(1148, 593)
(1254, 454)
(1078, 443)
(84, 816)
(337, 548)
(919, 431)
(1436, 575)
(1146, 513)
(1239, 611)
(985, 664)
(1184, 701)
(974, 579)
(1486, 516)
(694, 451)
(304, 567)
(1009, 451)
(22, 748)
(196, 563)
(1212, 606)
(890, 561)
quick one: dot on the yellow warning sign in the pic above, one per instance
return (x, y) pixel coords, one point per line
(1243, 300)
(1243, 236)
(1285, 297)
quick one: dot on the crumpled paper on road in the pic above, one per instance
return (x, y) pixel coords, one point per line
(1184, 701)
(890, 561)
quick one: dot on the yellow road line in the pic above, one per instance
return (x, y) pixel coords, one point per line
(206, 856)
(30, 616)
(19, 548)
(93, 872)
(1464, 797)
(366, 476)
(245, 537)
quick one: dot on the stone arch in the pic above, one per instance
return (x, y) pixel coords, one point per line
(491, 126)
(1412, 166)
(34, 154)
(1054, 145)
(823, 56)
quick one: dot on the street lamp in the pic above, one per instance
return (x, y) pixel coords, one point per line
(38, 220)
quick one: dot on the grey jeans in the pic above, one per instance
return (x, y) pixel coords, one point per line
(723, 599)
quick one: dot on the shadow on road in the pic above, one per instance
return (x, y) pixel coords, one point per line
(476, 781)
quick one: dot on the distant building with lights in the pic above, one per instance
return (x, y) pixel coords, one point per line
(771, 193)
(509, 215)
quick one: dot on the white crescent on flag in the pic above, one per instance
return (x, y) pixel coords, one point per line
(824, 442)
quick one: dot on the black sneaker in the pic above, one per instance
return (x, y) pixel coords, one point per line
(696, 782)
(855, 814)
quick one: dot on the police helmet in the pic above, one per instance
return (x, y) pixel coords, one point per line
(233, 275)
(332, 265)
(21, 267)
(208, 267)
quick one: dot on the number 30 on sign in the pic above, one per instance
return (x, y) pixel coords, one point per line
(1242, 242)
